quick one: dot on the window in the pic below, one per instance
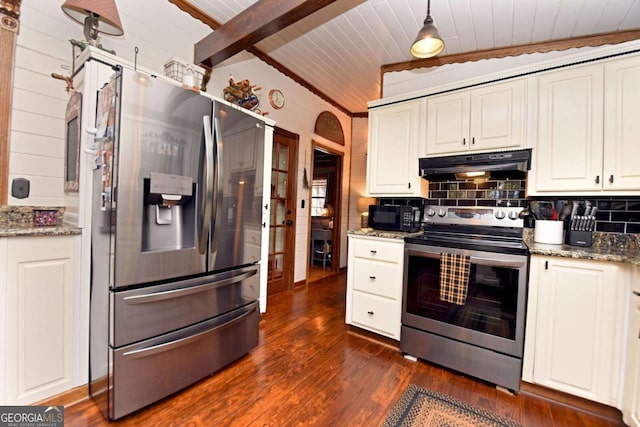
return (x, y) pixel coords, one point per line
(318, 196)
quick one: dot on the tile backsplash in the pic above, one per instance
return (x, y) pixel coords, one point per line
(615, 214)
(492, 192)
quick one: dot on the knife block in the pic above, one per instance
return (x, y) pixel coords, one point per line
(579, 238)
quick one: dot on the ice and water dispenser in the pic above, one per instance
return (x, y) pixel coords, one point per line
(169, 216)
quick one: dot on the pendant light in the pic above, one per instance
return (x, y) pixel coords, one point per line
(428, 43)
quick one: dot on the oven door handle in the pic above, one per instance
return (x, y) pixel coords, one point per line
(496, 262)
(492, 262)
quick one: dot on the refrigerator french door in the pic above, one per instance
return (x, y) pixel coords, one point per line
(176, 233)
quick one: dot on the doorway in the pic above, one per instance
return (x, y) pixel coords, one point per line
(324, 205)
(283, 211)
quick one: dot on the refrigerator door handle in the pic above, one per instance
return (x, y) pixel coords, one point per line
(177, 293)
(219, 182)
(208, 183)
(167, 346)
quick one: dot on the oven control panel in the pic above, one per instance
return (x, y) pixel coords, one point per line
(474, 215)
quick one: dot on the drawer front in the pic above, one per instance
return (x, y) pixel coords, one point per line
(379, 278)
(146, 372)
(151, 311)
(379, 250)
(376, 314)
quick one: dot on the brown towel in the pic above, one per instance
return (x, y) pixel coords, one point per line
(454, 278)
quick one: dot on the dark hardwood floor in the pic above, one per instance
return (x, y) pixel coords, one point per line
(311, 370)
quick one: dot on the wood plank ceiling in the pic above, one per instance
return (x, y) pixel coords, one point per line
(340, 50)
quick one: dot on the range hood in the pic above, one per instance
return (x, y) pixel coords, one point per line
(502, 163)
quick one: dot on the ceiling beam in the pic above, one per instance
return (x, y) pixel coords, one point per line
(257, 22)
(187, 7)
(542, 47)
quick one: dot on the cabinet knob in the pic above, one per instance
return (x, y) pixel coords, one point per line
(597, 179)
(370, 313)
(473, 141)
(464, 141)
(611, 179)
(373, 252)
(372, 277)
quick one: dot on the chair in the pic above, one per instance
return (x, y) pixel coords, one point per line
(321, 246)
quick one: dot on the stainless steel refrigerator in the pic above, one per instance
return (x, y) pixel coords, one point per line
(176, 235)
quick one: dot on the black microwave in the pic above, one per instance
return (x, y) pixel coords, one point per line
(395, 218)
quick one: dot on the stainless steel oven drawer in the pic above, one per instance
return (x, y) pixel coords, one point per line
(148, 371)
(151, 311)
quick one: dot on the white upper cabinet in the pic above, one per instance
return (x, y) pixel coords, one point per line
(395, 132)
(586, 132)
(621, 130)
(488, 118)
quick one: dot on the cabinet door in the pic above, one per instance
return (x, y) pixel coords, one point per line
(631, 397)
(579, 328)
(568, 152)
(39, 281)
(392, 160)
(497, 116)
(621, 130)
(448, 123)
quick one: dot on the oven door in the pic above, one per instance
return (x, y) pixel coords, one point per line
(494, 312)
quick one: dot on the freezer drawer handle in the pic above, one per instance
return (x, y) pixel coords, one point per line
(168, 346)
(177, 293)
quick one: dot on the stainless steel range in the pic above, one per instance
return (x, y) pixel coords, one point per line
(483, 335)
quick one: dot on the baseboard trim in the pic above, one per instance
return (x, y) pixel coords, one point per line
(578, 403)
(371, 336)
(67, 398)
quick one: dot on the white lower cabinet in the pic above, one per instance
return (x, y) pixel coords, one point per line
(574, 335)
(374, 284)
(36, 313)
(631, 399)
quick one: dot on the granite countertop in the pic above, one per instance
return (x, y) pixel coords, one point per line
(614, 247)
(34, 221)
(58, 230)
(382, 233)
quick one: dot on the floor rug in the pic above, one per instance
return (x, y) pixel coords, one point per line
(425, 408)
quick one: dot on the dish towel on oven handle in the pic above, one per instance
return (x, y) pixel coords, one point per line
(454, 277)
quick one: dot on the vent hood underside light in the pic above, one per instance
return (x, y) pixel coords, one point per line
(473, 176)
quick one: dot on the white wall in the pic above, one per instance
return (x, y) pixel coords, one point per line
(39, 101)
(298, 115)
(359, 145)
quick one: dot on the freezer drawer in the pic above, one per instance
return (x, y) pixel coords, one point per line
(146, 372)
(151, 311)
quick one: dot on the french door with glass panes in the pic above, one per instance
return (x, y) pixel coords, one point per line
(283, 212)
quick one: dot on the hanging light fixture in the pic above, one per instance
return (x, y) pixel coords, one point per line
(92, 13)
(428, 43)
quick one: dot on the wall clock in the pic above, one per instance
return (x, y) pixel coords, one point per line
(276, 99)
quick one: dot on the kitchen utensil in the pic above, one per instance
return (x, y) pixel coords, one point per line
(592, 225)
(559, 207)
(534, 207)
(547, 212)
(585, 216)
(566, 211)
